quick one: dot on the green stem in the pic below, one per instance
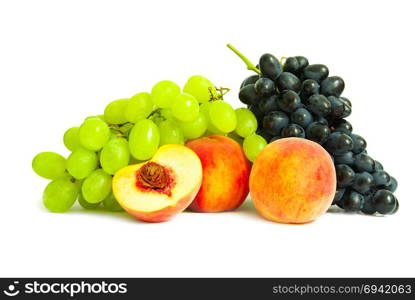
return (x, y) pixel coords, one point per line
(249, 65)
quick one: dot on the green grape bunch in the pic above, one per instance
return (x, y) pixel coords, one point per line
(130, 131)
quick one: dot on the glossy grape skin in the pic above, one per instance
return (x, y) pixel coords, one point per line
(81, 163)
(164, 92)
(289, 101)
(114, 112)
(268, 104)
(364, 162)
(359, 143)
(302, 117)
(384, 202)
(288, 82)
(346, 101)
(85, 204)
(170, 133)
(246, 122)
(275, 121)
(302, 62)
(270, 66)
(367, 205)
(115, 155)
(144, 139)
(346, 158)
(338, 195)
(345, 175)
(49, 165)
(338, 108)
(338, 143)
(352, 201)
(381, 178)
(111, 204)
(293, 130)
(291, 65)
(60, 195)
(194, 129)
(317, 72)
(309, 87)
(71, 139)
(264, 87)
(257, 112)
(378, 166)
(222, 116)
(253, 145)
(96, 186)
(363, 182)
(319, 105)
(185, 107)
(396, 207)
(342, 125)
(392, 186)
(201, 88)
(94, 134)
(317, 132)
(248, 95)
(249, 80)
(332, 86)
(138, 107)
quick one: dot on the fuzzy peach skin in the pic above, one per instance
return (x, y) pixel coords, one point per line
(293, 180)
(152, 206)
(225, 183)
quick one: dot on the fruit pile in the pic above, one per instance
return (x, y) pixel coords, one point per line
(133, 131)
(298, 99)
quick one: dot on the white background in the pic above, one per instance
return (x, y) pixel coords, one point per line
(61, 61)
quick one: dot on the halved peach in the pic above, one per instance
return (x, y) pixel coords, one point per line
(157, 190)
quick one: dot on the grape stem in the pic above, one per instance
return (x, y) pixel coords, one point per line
(249, 65)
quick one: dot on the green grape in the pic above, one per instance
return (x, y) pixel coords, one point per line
(111, 204)
(167, 114)
(200, 88)
(170, 133)
(85, 204)
(114, 113)
(222, 116)
(211, 129)
(164, 93)
(96, 186)
(144, 139)
(49, 165)
(185, 108)
(71, 139)
(93, 134)
(115, 155)
(97, 117)
(252, 145)
(60, 195)
(194, 129)
(246, 122)
(81, 163)
(138, 107)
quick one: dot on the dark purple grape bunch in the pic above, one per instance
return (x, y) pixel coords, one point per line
(302, 100)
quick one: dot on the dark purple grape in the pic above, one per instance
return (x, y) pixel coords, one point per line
(295, 64)
(338, 195)
(396, 207)
(248, 95)
(345, 175)
(363, 182)
(319, 105)
(275, 138)
(249, 80)
(352, 201)
(342, 125)
(359, 143)
(339, 109)
(338, 143)
(378, 166)
(268, 104)
(367, 205)
(302, 117)
(275, 121)
(288, 82)
(346, 158)
(332, 86)
(289, 101)
(364, 162)
(309, 87)
(293, 130)
(381, 178)
(266, 135)
(316, 72)
(317, 132)
(346, 100)
(392, 186)
(264, 87)
(384, 202)
(270, 66)
(259, 115)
